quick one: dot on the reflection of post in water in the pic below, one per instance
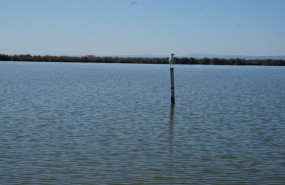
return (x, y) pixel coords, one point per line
(171, 113)
(170, 139)
(171, 118)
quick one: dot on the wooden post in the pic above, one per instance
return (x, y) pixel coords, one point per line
(172, 84)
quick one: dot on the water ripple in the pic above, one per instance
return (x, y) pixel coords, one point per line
(113, 124)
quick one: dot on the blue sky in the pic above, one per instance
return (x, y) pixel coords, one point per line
(129, 27)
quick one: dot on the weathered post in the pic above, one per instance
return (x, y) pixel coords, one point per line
(171, 62)
(172, 85)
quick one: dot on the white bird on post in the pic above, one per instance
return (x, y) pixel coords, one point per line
(171, 60)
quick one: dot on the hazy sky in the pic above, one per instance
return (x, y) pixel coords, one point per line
(127, 27)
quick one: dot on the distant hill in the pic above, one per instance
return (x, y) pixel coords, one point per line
(199, 56)
(139, 56)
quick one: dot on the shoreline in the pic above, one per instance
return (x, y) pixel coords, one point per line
(140, 60)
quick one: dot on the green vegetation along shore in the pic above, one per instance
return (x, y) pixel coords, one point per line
(93, 59)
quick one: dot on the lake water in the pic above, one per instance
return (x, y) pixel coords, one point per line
(71, 123)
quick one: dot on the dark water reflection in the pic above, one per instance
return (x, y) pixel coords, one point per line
(113, 124)
(171, 124)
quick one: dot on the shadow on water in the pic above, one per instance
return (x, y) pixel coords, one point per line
(170, 140)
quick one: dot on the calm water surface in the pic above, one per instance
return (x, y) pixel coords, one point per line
(65, 123)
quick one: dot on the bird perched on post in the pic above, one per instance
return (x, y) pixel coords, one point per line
(171, 60)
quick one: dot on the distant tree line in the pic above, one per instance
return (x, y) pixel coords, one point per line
(93, 59)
